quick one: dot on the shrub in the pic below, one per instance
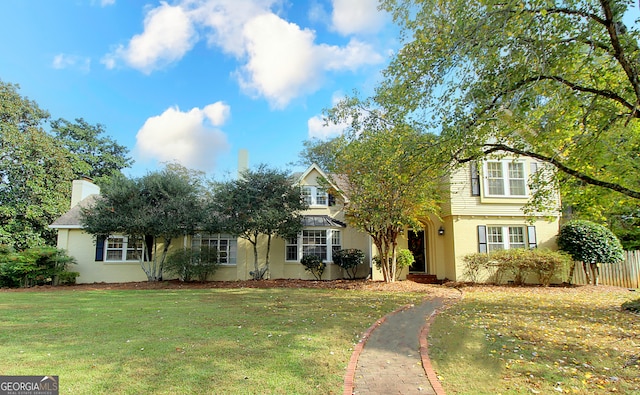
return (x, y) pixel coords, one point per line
(589, 242)
(68, 278)
(473, 264)
(34, 266)
(349, 259)
(191, 263)
(313, 264)
(519, 263)
(404, 259)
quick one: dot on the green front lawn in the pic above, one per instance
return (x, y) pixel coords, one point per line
(240, 341)
(532, 340)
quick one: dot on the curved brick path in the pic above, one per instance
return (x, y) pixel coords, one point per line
(390, 359)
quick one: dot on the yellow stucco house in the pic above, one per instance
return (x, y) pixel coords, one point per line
(482, 212)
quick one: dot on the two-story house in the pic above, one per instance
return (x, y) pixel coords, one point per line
(483, 212)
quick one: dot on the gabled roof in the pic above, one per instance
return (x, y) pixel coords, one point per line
(71, 219)
(324, 175)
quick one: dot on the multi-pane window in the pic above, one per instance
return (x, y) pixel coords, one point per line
(505, 178)
(336, 244)
(319, 242)
(315, 196)
(314, 242)
(307, 197)
(291, 247)
(226, 245)
(505, 237)
(123, 248)
(321, 197)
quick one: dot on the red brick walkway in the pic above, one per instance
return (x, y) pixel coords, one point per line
(392, 359)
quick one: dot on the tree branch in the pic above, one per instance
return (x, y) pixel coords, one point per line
(491, 148)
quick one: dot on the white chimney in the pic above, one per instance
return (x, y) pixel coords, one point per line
(81, 189)
(243, 161)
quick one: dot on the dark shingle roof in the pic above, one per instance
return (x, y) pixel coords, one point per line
(71, 219)
(322, 220)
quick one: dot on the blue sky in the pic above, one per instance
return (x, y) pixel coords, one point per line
(194, 81)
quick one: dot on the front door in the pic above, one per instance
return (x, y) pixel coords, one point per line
(417, 248)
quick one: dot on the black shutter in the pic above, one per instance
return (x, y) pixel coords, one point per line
(531, 237)
(148, 240)
(475, 179)
(100, 248)
(332, 200)
(482, 238)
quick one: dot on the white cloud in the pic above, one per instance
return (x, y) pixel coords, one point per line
(323, 130)
(188, 138)
(105, 3)
(317, 128)
(282, 60)
(357, 16)
(225, 21)
(278, 60)
(168, 35)
(63, 61)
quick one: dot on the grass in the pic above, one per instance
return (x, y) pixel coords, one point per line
(504, 340)
(240, 341)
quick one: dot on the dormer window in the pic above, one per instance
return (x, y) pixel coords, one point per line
(315, 196)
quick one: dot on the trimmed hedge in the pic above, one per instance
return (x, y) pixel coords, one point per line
(589, 242)
(518, 264)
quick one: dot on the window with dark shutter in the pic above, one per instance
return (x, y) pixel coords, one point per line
(482, 238)
(332, 200)
(100, 248)
(475, 179)
(531, 237)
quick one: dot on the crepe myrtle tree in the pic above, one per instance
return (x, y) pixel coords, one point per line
(157, 208)
(591, 244)
(261, 204)
(391, 176)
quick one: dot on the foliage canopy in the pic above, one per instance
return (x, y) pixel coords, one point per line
(558, 82)
(262, 203)
(161, 205)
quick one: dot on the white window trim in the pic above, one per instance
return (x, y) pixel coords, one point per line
(123, 250)
(232, 251)
(330, 232)
(505, 178)
(315, 192)
(506, 237)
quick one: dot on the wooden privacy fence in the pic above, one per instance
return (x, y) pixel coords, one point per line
(622, 274)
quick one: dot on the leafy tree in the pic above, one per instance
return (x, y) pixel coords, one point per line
(97, 156)
(36, 167)
(35, 173)
(262, 203)
(389, 182)
(160, 206)
(558, 82)
(625, 224)
(591, 244)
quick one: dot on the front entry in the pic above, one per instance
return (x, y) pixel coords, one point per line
(417, 248)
